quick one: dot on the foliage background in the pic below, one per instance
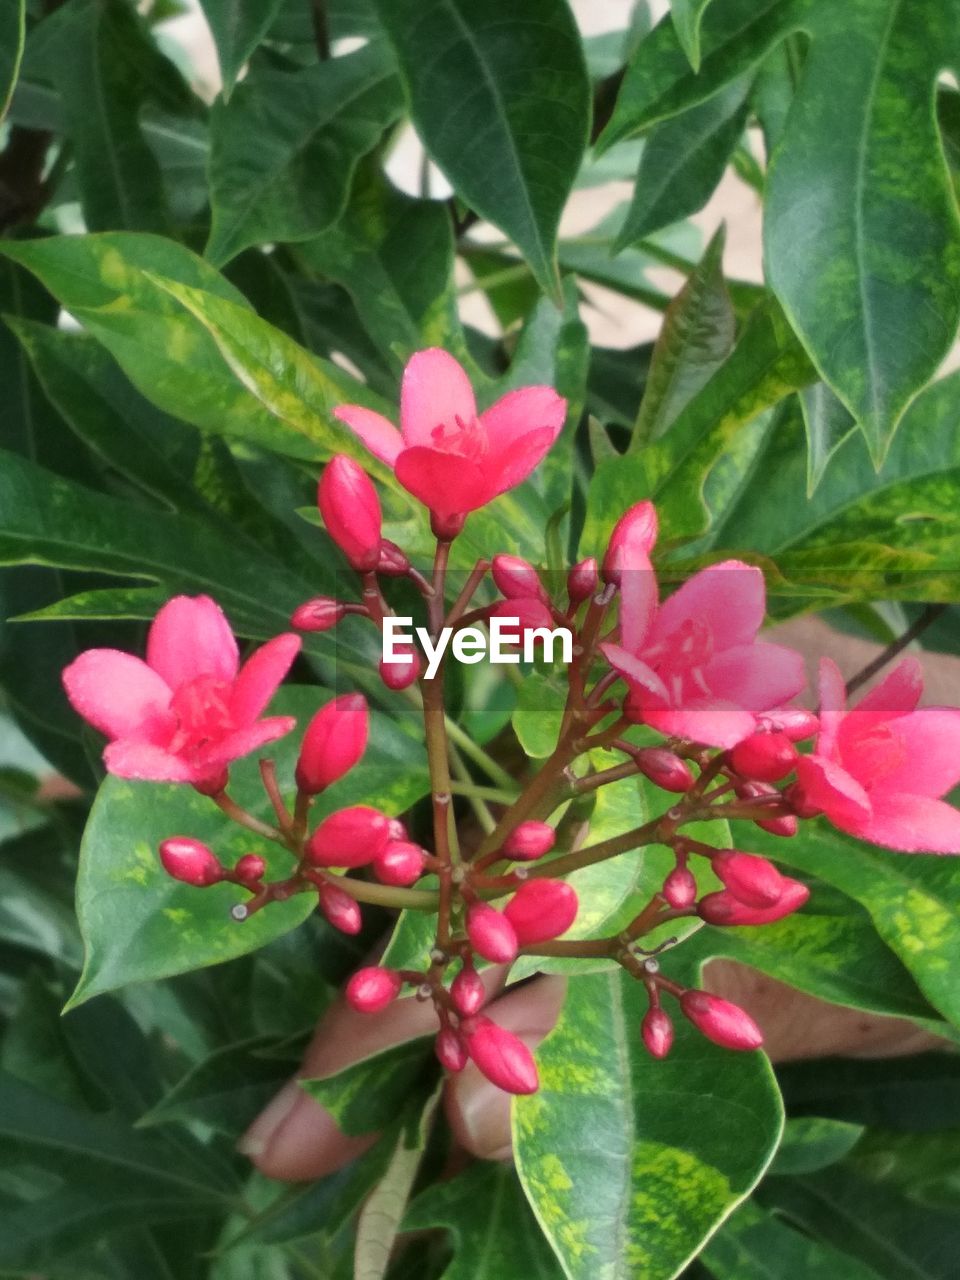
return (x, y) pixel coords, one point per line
(169, 439)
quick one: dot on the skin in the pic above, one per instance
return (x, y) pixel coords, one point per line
(294, 1138)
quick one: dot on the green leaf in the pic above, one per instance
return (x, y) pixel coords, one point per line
(369, 1094)
(501, 98)
(13, 32)
(828, 423)
(919, 1093)
(630, 1164)
(696, 337)
(237, 27)
(812, 1143)
(284, 148)
(686, 15)
(139, 924)
(683, 161)
(495, 1234)
(538, 714)
(755, 1245)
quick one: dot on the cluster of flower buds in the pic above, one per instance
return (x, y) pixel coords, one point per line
(721, 1021)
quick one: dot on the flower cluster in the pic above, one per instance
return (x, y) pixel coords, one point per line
(690, 668)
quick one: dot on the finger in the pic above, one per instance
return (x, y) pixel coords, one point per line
(479, 1112)
(295, 1138)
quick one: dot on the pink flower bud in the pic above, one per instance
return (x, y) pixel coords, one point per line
(340, 909)
(680, 888)
(393, 563)
(468, 992)
(372, 989)
(451, 1050)
(250, 868)
(541, 910)
(751, 879)
(350, 509)
(402, 671)
(657, 1032)
(786, 825)
(349, 838)
(632, 539)
(517, 579)
(529, 613)
(397, 830)
(796, 797)
(583, 580)
(213, 783)
(318, 615)
(721, 1021)
(796, 722)
(335, 740)
(491, 934)
(503, 1058)
(725, 910)
(767, 757)
(190, 861)
(399, 863)
(664, 768)
(529, 841)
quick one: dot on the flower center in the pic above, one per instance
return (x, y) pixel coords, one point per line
(468, 439)
(202, 709)
(680, 658)
(875, 755)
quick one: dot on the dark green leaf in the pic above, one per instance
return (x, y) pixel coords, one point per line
(917, 1094)
(13, 30)
(754, 1245)
(539, 712)
(630, 1163)
(828, 423)
(369, 1094)
(811, 1143)
(501, 98)
(237, 27)
(686, 15)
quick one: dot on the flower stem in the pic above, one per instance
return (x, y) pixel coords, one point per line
(236, 813)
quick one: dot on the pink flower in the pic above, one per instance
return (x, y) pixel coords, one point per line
(879, 770)
(187, 712)
(447, 455)
(693, 664)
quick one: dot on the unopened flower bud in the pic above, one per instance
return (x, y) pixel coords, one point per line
(786, 825)
(721, 1021)
(397, 830)
(350, 509)
(529, 614)
(796, 722)
(724, 910)
(399, 863)
(529, 841)
(664, 768)
(657, 1032)
(450, 1050)
(393, 563)
(583, 580)
(400, 672)
(190, 861)
(335, 740)
(213, 783)
(372, 989)
(796, 797)
(250, 869)
(752, 880)
(517, 579)
(468, 992)
(491, 934)
(502, 1057)
(680, 888)
(319, 614)
(349, 837)
(631, 542)
(541, 910)
(340, 909)
(767, 757)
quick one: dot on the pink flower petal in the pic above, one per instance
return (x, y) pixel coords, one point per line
(511, 466)
(638, 597)
(147, 763)
(898, 693)
(191, 637)
(833, 701)
(435, 393)
(828, 787)
(710, 723)
(377, 432)
(635, 671)
(241, 742)
(912, 824)
(756, 677)
(930, 739)
(260, 676)
(729, 598)
(520, 412)
(120, 695)
(444, 482)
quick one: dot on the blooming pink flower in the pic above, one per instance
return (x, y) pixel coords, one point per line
(447, 455)
(187, 711)
(693, 663)
(879, 770)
